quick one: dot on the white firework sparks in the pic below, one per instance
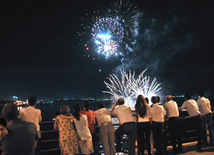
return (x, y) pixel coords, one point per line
(129, 87)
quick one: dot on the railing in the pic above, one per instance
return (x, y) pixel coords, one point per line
(50, 137)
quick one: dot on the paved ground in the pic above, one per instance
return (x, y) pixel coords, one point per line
(189, 149)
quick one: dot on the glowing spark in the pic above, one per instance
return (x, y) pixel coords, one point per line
(129, 87)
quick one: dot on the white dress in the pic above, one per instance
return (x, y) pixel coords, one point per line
(84, 135)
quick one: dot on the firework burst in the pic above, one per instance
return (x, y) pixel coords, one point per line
(129, 87)
(110, 34)
(127, 14)
(105, 35)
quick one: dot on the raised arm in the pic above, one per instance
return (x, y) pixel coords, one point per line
(114, 105)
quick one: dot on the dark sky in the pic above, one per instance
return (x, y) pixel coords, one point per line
(40, 53)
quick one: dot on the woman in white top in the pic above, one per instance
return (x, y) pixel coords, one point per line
(83, 132)
(143, 124)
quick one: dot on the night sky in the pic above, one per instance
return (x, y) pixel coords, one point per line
(40, 53)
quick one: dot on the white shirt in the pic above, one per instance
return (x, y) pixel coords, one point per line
(204, 105)
(82, 127)
(192, 107)
(123, 113)
(158, 113)
(32, 115)
(171, 109)
(103, 115)
(146, 117)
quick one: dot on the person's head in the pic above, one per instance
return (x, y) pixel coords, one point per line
(86, 105)
(32, 101)
(158, 98)
(64, 109)
(10, 111)
(154, 99)
(141, 100)
(120, 101)
(201, 94)
(141, 106)
(76, 111)
(187, 96)
(100, 105)
(168, 97)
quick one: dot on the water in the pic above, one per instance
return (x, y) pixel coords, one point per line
(51, 110)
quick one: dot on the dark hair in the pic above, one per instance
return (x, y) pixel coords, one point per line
(140, 106)
(188, 96)
(10, 111)
(147, 100)
(32, 100)
(100, 105)
(154, 99)
(168, 97)
(158, 98)
(201, 93)
(76, 113)
(120, 101)
(86, 105)
(64, 109)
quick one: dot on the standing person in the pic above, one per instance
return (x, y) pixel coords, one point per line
(91, 121)
(151, 136)
(83, 132)
(90, 116)
(33, 115)
(144, 124)
(68, 142)
(22, 136)
(158, 117)
(103, 117)
(127, 125)
(195, 116)
(207, 120)
(174, 125)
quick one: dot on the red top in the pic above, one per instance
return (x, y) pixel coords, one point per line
(90, 117)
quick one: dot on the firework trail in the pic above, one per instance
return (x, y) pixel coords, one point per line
(129, 87)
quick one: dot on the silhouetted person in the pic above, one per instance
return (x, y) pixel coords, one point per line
(207, 119)
(144, 125)
(103, 116)
(195, 116)
(22, 135)
(90, 116)
(33, 115)
(83, 132)
(158, 117)
(127, 125)
(174, 125)
(64, 123)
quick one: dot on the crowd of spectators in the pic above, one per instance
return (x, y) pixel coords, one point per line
(20, 130)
